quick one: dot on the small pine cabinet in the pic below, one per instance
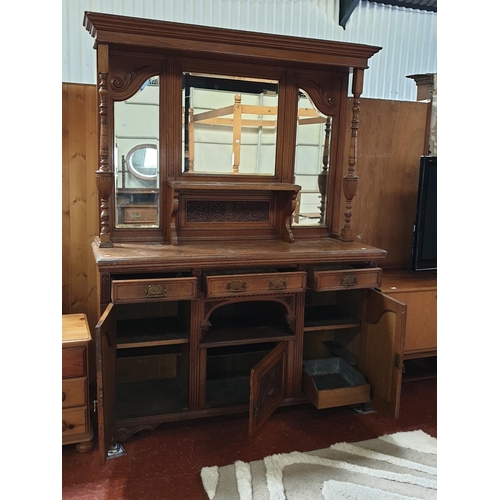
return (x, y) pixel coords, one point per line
(76, 424)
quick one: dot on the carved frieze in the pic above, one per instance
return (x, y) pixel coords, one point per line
(227, 211)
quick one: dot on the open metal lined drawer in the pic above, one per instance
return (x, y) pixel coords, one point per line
(146, 290)
(253, 284)
(323, 279)
(332, 382)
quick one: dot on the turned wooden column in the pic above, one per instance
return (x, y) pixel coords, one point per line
(350, 181)
(323, 176)
(104, 176)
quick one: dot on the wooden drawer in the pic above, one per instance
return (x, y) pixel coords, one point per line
(253, 284)
(329, 383)
(140, 215)
(323, 280)
(74, 392)
(74, 362)
(74, 422)
(129, 291)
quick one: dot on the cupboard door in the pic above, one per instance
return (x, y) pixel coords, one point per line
(106, 379)
(381, 349)
(267, 386)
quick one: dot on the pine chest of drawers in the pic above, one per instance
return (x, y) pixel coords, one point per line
(76, 425)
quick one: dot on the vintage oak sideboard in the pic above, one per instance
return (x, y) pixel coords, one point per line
(229, 276)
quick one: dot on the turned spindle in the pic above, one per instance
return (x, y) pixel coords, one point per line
(350, 181)
(104, 176)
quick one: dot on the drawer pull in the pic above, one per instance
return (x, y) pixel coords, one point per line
(137, 215)
(236, 286)
(66, 426)
(278, 284)
(349, 280)
(64, 396)
(155, 291)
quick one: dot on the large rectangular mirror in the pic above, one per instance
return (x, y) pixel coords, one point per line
(229, 124)
(136, 153)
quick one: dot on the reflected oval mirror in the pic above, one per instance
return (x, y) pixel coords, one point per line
(142, 161)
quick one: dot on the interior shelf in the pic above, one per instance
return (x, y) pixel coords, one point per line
(150, 332)
(247, 323)
(327, 317)
(226, 336)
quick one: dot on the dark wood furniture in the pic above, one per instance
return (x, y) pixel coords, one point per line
(76, 424)
(225, 304)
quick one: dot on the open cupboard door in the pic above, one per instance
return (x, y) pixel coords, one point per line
(267, 386)
(106, 378)
(382, 348)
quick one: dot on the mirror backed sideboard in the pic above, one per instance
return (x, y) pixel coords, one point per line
(229, 276)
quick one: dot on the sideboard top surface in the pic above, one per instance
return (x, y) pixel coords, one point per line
(140, 257)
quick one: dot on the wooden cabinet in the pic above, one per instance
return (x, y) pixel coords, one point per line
(234, 345)
(227, 299)
(419, 292)
(76, 425)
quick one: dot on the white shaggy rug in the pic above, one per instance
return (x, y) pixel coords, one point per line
(400, 466)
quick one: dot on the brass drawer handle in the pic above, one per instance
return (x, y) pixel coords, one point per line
(66, 426)
(278, 284)
(236, 286)
(137, 215)
(349, 280)
(155, 291)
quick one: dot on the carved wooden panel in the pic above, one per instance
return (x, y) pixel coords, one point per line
(227, 211)
(267, 386)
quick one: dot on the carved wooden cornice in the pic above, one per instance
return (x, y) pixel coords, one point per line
(231, 44)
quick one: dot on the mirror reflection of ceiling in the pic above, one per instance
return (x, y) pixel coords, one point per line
(136, 147)
(137, 123)
(312, 156)
(229, 124)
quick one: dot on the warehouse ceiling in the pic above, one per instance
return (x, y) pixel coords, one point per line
(430, 5)
(347, 7)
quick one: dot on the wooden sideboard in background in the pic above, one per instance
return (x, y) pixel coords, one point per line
(389, 149)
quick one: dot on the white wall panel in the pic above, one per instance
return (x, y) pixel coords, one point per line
(407, 36)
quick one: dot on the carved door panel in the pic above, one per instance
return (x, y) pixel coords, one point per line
(267, 386)
(381, 349)
(106, 379)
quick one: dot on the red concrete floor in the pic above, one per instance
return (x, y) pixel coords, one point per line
(165, 464)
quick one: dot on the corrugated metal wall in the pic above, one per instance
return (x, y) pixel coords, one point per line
(407, 36)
